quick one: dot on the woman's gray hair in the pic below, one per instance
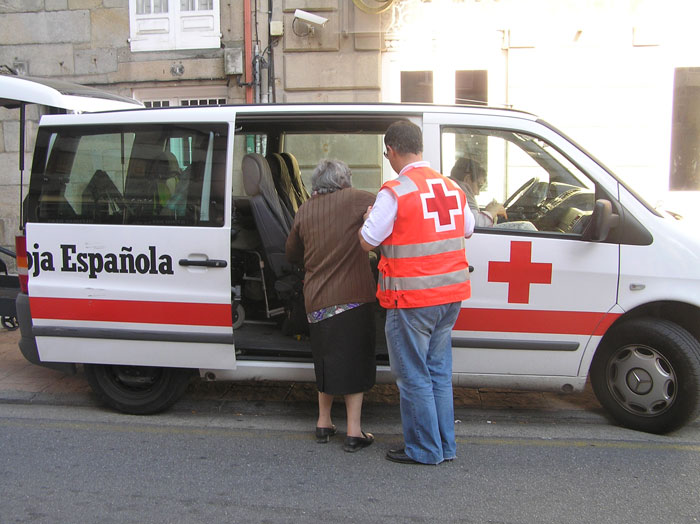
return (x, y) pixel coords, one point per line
(330, 176)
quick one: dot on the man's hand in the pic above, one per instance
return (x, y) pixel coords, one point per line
(496, 210)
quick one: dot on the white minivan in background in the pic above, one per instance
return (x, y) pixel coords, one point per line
(153, 250)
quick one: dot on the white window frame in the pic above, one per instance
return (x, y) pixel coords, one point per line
(176, 29)
(176, 95)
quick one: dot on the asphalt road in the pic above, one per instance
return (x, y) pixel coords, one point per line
(258, 462)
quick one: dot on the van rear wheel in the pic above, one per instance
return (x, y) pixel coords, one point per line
(646, 374)
(137, 390)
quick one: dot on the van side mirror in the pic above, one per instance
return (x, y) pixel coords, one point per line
(602, 221)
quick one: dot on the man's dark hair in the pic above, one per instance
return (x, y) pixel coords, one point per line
(462, 168)
(467, 168)
(404, 137)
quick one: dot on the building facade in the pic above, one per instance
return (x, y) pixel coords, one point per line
(619, 77)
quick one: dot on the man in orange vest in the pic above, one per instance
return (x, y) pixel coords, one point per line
(420, 220)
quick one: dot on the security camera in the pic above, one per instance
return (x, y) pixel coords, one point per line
(310, 18)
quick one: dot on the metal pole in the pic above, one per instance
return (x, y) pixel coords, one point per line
(256, 74)
(271, 97)
(22, 123)
(248, 46)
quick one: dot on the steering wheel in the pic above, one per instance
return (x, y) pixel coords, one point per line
(518, 206)
(521, 192)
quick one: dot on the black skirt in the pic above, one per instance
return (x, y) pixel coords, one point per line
(343, 351)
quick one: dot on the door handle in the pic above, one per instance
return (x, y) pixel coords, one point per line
(203, 263)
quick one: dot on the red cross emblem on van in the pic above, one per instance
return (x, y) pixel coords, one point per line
(520, 272)
(441, 205)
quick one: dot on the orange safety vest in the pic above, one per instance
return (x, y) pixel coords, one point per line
(423, 259)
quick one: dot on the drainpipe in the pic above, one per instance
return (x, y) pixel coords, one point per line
(271, 99)
(248, 49)
(256, 75)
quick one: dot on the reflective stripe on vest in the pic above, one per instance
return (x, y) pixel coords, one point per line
(404, 186)
(424, 249)
(427, 282)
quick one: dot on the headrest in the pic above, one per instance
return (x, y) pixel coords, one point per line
(280, 173)
(295, 175)
(165, 166)
(253, 166)
(291, 161)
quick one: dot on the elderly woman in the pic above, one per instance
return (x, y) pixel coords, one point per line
(339, 296)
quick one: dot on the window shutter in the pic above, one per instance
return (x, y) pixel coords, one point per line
(181, 25)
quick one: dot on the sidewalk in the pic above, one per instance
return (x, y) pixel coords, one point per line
(22, 382)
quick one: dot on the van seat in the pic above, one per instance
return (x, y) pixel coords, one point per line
(244, 235)
(283, 183)
(101, 199)
(269, 216)
(300, 192)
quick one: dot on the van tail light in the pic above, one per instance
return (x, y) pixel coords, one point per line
(22, 267)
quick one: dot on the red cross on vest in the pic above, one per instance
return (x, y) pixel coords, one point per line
(441, 205)
(520, 272)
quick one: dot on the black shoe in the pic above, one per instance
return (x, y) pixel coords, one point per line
(323, 435)
(353, 444)
(399, 455)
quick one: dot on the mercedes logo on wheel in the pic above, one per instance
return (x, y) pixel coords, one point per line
(639, 381)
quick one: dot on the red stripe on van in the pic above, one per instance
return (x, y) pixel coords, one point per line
(529, 321)
(181, 313)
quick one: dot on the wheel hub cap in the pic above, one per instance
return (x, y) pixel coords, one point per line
(639, 381)
(642, 380)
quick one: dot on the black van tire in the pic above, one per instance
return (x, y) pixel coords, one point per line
(137, 390)
(646, 374)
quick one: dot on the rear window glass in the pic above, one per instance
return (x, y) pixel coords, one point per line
(170, 174)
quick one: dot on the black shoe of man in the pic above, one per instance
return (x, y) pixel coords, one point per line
(399, 455)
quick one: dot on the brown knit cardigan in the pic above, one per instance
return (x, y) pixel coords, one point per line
(324, 239)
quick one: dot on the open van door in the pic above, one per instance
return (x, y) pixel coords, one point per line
(16, 92)
(128, 246)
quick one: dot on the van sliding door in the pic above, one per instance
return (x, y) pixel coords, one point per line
(128, 238)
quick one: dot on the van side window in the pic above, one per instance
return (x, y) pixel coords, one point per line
(149, 174)
(540, 190)
(362, 152)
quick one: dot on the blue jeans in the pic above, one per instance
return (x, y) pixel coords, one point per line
(420, 353)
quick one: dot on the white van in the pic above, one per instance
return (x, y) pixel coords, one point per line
(155, 251)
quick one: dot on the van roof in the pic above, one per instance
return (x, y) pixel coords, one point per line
(15, 90)
(277, 112)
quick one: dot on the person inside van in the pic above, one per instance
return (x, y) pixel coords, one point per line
(339, 296)
(471, 178)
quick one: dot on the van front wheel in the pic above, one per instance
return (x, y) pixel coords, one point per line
(646, 374)
(137, 390)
